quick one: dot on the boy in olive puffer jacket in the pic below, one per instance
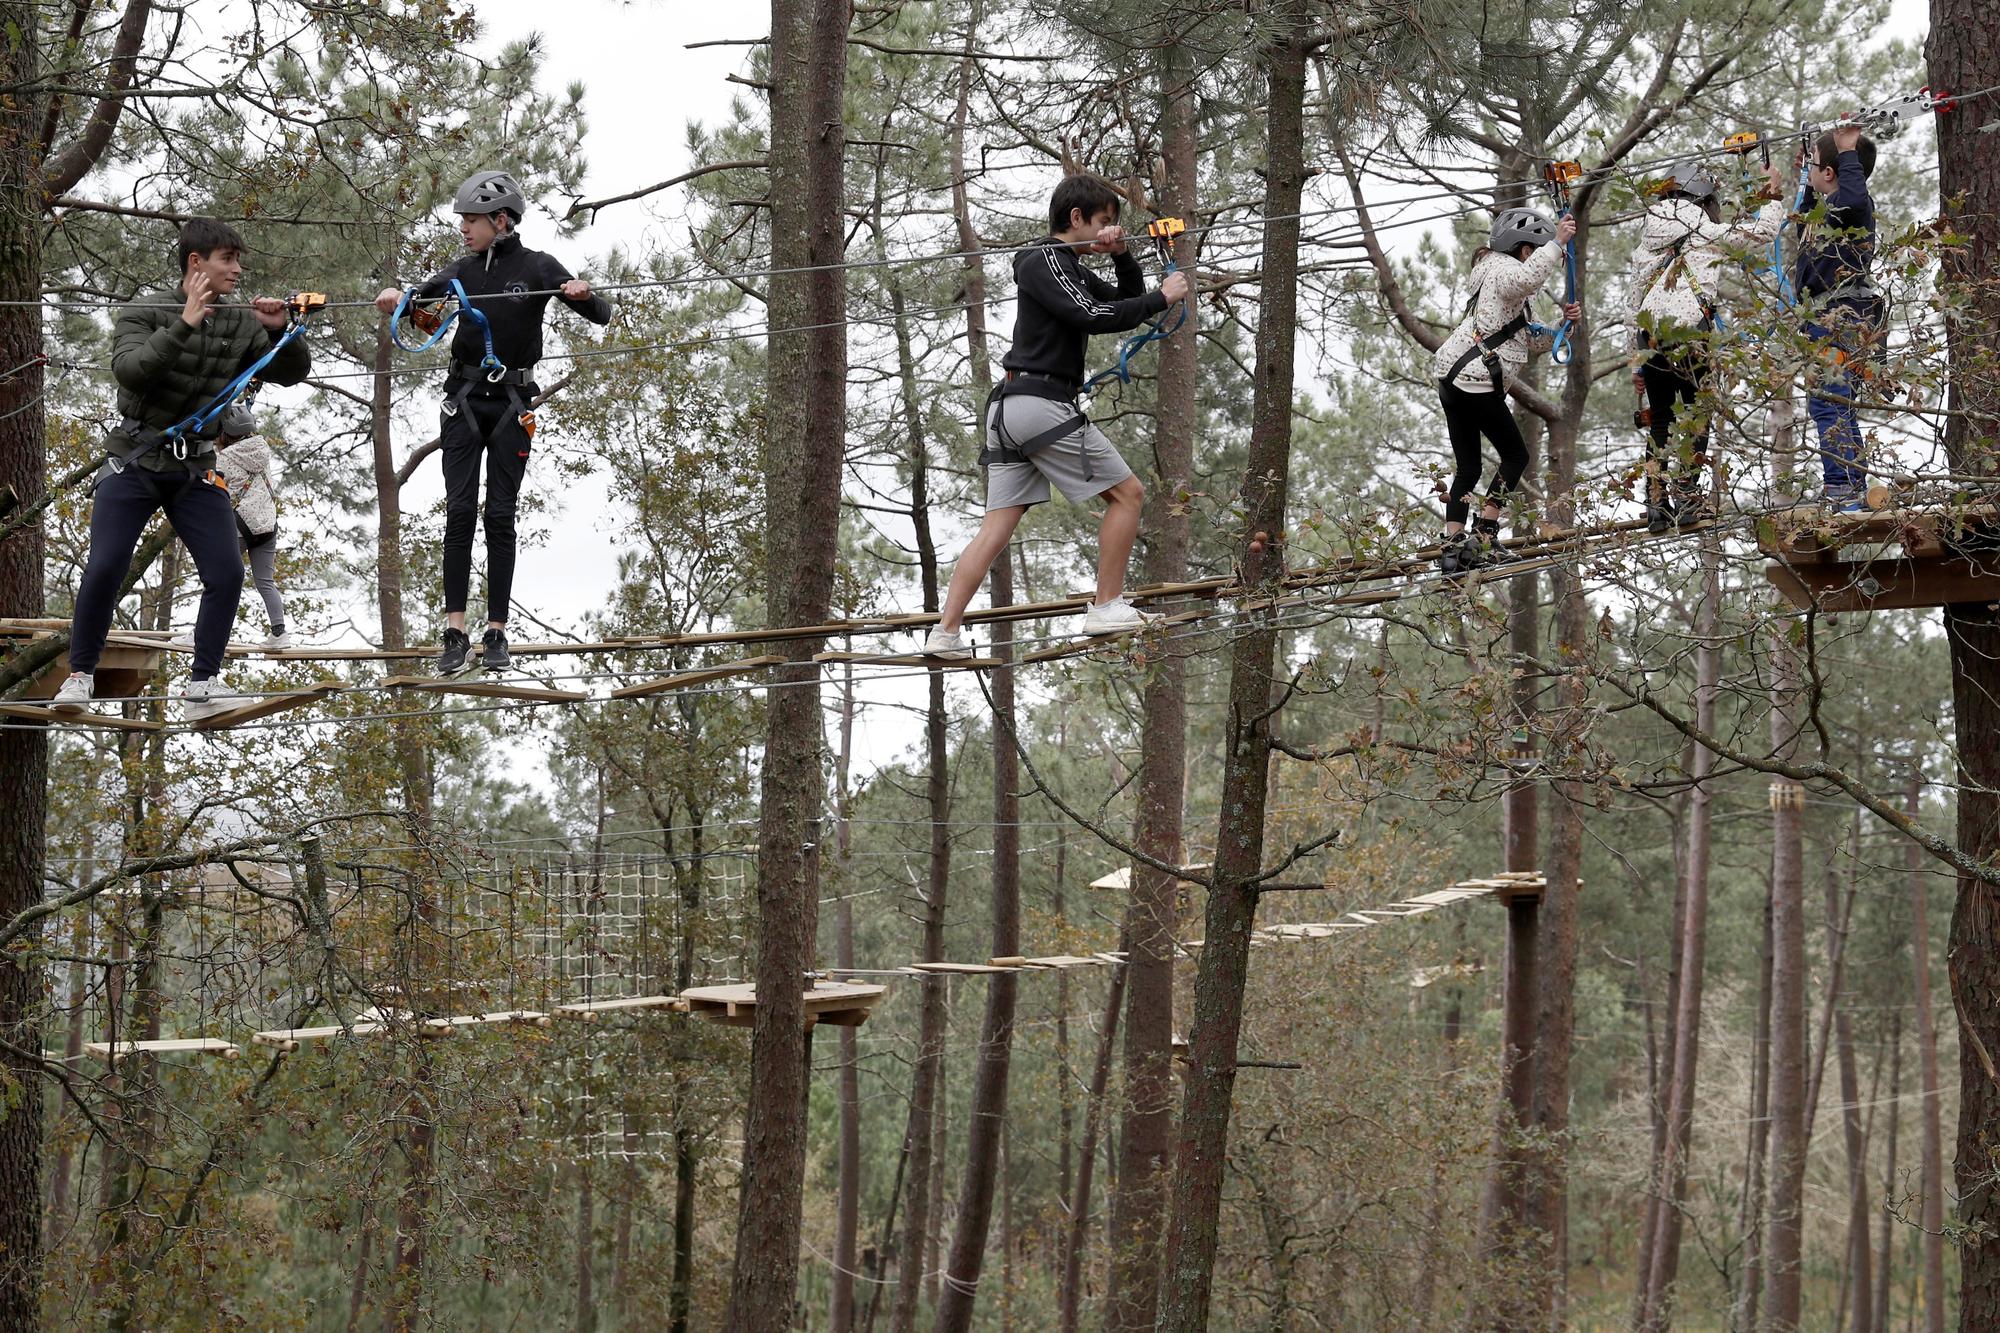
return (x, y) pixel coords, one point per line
(170, 363)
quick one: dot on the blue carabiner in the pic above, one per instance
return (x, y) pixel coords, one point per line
(1154, 332)
(1561, 351)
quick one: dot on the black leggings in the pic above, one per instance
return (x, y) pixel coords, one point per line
(1675, 373)
(1467, 416)
(505, 455)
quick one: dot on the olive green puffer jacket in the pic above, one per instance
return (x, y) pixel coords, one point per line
(166, 370)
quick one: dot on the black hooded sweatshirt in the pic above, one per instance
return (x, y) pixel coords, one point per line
(507, 266)
(1059, 303)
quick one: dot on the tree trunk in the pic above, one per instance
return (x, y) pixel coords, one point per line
(1788, 1014)
(806, 415)
(23, 750)
(1138, 1208)
(1194, 1226)
(586, 1232)
(1750, 1219)
(1668, 1207)
(1964, 44)
(1885, 1251)
(1069, 1295)
(988, 1114)
(847, 1201)
(1931, 1117)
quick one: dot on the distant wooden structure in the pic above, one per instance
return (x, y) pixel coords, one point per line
(841, 1003)
(1884, 559)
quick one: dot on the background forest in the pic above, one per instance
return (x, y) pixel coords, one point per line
(1727, 1069)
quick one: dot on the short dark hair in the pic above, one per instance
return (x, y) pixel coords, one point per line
(1088, 193)
(1828, 153)
(204, 236)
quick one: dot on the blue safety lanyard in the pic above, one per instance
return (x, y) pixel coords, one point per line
(1787, 295)
(495, 368)
(198, 421)
(1159, 329)
(1558, 175)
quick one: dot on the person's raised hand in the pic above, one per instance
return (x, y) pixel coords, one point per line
(270, 311)
(200, 299)
(1175, 288)
(576, 289)
(1776, 182)
(1110, 241)
(388, 299)
(1573, 312)
(1846, 138)
(1566, 228)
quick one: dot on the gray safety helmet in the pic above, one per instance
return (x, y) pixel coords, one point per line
(1521, 226)
(1691, 183)
(237, 422)
(490, 192)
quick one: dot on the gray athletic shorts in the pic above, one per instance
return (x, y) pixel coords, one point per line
(1081, 463)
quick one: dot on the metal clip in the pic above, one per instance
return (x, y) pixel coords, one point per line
(179, 445)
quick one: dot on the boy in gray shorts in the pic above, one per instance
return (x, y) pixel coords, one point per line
(1034, 433)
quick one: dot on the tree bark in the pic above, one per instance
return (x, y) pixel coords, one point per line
(1669, 1205)
(1138, 1208)
(1931, 1117)
(1069, 1294)
(1860, 1277)
(1194, 1225)
(806, 415)
(1750, 1288)
(1781, 1296)
(847, 1199)
(1885, 1253)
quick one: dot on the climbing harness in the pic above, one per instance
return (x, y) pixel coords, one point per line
(174, 439)
(1164, 232)
(1557, 176)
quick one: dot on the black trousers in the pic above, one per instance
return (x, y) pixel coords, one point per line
(484, 429)
(1674, 374)
(204, 521)
(1467, 417)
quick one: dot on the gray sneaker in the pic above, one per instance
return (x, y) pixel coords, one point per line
(205, 698)
(75, 695)
(947, 644)
(1117, 616)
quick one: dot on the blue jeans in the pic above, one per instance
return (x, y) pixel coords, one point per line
(1833, 389)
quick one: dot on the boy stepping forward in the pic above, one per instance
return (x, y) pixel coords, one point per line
(1844, 314)
(485, 414)
(1035, 433)
(173, 353)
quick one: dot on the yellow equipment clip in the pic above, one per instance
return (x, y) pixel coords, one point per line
(427, 317)
(305, 303)
(1742, 143)
(527, 420)
(1562, 173)
(1165, 229)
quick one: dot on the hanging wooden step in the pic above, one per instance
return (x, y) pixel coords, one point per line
(265, 707)
(698, 676)
(290, 1039)
(488, 689)
(840, 1003)
(87, 720)
(587, 1011)
(114, 1051)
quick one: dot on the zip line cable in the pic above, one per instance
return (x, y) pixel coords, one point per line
(1910, 102)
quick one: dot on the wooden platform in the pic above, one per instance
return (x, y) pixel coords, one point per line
(1883, 560)
(114, 1051)
(489, 689)
(290, 1039)
(841, 1003)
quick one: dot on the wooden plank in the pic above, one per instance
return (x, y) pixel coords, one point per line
(114, 1051)
(491, 689)
(87, 720)
(1886, 585)
(696, 677)
(910, 659)
(277, 703)
(289, 1039)
(736, 1005)
(960, 969)
(588, 1010)
(1062, 960)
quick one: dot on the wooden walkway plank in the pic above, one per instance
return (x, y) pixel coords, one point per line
(588, 1010)
(289, 1039)
(87, 720)
(698, 676)
(276, 703)
(491, 689)
(114, 1051)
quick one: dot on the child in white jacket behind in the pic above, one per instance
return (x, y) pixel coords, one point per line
(1677, 271)
(244, 459)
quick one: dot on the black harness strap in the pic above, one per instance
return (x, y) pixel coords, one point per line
(189, 453)
(456, 405)
(1489, 354)
(1019, 451)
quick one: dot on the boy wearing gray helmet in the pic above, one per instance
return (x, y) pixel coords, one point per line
(1472, 366)
(486, 417)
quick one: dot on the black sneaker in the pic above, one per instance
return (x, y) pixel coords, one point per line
(1461, 554)
(1491, 552)
(493, 654)
(451, 658)
(1691, 506)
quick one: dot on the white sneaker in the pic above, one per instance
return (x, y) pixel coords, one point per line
(183, 641)
(277, 643)
(1117, 616)
(75, 694)
(948, 644)
(205, 698)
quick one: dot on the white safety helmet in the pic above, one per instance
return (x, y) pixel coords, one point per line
(1521, 226)
(238, 421)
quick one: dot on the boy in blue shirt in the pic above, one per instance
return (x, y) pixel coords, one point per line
(1843, 312)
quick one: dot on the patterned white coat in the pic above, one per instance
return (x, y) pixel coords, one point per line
(1669, 288)
(246, 466)
(1501, 286)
